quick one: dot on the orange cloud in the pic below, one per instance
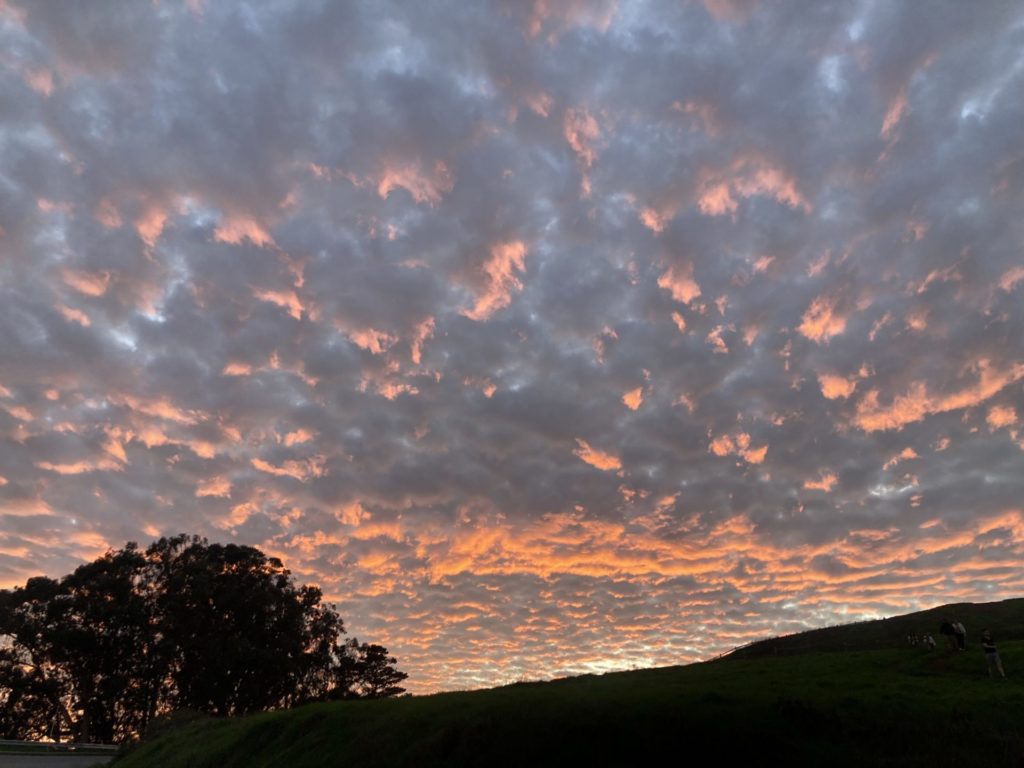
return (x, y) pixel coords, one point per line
(234, 230)
(747, 176)
(739, 445)
(286, 300)
(1001, 416)
(161, 408)
(904, 455)
(917, 403)
(506, 259)
(679, 282)
(596, 458)
(835, 387)
(299, 469)
(81, 467)
(825, 482)
(821, 321)
(634, 398)
(422, 332)
(373, 341)
(215, 486)
(297, 437)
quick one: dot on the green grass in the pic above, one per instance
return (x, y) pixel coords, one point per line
(900, 706)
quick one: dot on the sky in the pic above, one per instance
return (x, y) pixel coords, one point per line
(545, 337)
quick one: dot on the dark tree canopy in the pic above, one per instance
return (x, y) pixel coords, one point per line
(184, 624)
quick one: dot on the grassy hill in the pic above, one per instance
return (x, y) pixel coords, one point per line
(1005, 619)
(887, 704)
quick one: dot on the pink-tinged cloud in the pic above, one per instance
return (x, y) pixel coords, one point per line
(917, 319)
(1011, 278)
(748, 176)
(655, 219)
(236, 369)
(581, 132)
(596, 458)
(73, 315)
(425, 185)
(81, 467)
(373, 341)
(299, 469)
(705, 112)
(679, 282)
(286, 300)
(159, 407)
(821, 321)
(835, 387)
(215, 486)
(235, 230)
(730, 10)
(714, 338)
(918, 403)
(501, 273)
(40, 81)
(87, 283)
(894, 114)
(558, 15)
(150, 225)
(422, 332)
(107, 214)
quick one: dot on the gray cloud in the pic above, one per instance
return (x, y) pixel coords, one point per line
(545, 339)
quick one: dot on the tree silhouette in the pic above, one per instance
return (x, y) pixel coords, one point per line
(182, 625)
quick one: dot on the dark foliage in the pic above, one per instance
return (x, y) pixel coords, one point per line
(183, 625)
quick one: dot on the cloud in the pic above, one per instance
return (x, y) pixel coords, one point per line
(548, 326)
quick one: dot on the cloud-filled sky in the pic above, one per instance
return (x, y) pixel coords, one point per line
(545, 336)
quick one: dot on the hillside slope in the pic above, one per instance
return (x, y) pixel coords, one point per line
(902, 707)
(1004, 618)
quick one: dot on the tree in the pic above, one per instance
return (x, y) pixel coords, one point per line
(183, 625)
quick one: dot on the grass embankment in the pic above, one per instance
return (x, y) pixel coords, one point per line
(902, 706)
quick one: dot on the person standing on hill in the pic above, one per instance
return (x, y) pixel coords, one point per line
(988, 645)
(961, 636)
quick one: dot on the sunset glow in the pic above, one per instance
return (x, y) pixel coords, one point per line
(548, 338)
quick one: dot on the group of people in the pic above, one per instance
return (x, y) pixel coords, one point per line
(926, 640)
(956, 634)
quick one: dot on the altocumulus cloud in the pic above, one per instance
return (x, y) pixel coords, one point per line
(546, 337)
